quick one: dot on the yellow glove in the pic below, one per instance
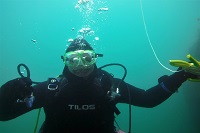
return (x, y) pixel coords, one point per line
(192, 67)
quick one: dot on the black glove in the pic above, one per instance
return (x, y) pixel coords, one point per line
(173, 82)
(16, 89)
(188, 74)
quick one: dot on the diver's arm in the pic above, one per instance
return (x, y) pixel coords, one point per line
(10, 106)
(155, 95)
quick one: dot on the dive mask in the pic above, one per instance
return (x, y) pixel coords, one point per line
(80, 57)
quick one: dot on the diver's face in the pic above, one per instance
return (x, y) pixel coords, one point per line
(81, 71)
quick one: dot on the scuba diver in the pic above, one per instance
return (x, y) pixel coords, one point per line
(83, 98)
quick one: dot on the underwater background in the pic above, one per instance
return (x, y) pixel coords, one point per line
(37, 32)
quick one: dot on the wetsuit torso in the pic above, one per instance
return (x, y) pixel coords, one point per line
(79, 107)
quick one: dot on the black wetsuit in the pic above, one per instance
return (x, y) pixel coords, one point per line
(82, 105)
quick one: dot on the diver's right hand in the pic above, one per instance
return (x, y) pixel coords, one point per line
(16, 89)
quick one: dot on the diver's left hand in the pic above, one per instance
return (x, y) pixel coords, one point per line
(189, 75)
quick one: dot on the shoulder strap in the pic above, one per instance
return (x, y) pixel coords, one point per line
(56, 83)
(53, 88)
(112, 92)
(105, 80)
(53, 84)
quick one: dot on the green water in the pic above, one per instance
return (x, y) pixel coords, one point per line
(174, 31)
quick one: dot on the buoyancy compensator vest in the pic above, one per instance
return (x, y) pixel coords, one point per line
(60, 93)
